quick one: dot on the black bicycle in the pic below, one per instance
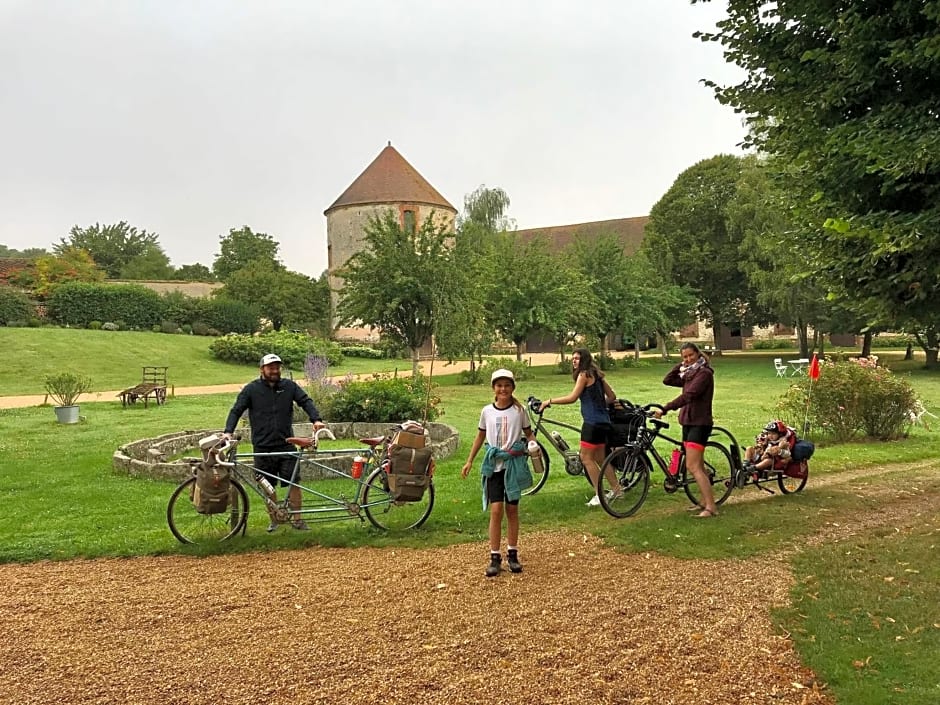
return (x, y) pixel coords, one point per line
(632, 467)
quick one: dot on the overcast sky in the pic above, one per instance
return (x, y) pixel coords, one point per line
(191, 117)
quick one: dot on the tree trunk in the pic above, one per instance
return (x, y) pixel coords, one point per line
(414, 361)
(716, 336)
(931, 358)
(909, 352)
(866, 344)
(519, 352)
(802, 337)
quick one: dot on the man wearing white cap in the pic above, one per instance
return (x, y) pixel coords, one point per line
(270, 401)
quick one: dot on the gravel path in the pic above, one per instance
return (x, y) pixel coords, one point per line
(582, 624)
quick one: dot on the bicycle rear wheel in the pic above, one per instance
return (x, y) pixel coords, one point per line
(388, 514)
(625, 494)
(539, 479)
(190, 526)
(720, 469)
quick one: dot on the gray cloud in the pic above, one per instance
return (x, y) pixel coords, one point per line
(188, 118)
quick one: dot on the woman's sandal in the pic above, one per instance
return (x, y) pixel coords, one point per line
(706, 514)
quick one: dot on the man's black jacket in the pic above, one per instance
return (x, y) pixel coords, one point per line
(270, 410)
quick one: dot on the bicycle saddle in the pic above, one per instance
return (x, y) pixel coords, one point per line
(377, 441)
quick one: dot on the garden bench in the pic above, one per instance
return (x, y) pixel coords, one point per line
(153, 384)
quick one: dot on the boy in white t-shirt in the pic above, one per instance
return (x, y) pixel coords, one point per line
(505, 467)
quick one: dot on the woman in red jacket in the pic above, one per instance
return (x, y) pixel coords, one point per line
(696, 378)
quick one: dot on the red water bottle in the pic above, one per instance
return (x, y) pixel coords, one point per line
(674, 462)
(357, 464)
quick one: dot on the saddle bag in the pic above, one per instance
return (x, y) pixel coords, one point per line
(211, 489)
(409, 472)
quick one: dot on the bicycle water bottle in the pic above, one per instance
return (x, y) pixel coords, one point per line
(559, 441)
(357, 465)
(674, 462)
(535, 455)
(266, 486)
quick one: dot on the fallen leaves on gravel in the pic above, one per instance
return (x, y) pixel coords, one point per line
(582, 624)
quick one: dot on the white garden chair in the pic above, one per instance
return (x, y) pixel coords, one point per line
(780, 367)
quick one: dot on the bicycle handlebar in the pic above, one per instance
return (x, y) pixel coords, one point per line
(534, 403)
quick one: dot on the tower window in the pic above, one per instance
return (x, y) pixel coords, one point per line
(408, 221)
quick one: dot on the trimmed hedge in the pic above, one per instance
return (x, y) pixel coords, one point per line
(15, 306)
(292, 348)
(80, 303)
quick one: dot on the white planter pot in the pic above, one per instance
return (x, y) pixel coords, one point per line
(67, 414)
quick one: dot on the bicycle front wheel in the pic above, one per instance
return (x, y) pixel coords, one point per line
(389, 514)
(190, 526)
(539, 479)
(624, 482)
(720, 470)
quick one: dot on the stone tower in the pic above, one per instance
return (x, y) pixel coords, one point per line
(389, 182)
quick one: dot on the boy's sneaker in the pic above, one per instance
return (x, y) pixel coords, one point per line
(492, 570)
(595, 501)
(300, 525)
(272, 527)
(512, 558)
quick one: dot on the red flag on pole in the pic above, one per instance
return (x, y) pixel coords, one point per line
(814, 368)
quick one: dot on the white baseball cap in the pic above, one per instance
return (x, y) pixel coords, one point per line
(502, 374)
(270, 359)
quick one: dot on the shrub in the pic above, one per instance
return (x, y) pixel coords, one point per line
(17, 324)
(65, 387)
(292, 348)
(155, 328)
(772, 344)
(110, 326)
(519, 369)
(605, 362)
(14, 306)
(201, 328)
(34, 322)
(362, 351)
(231, 316)
(78, 303)
(392, 349)
(850, 399)
(94, 325)
(186, 328)
(384, 399)
(891, 341)
(169, 327)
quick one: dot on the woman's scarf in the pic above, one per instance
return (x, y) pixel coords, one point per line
(684, 369)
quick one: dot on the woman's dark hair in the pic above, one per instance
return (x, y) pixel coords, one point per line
(586, 364)
(690, 346)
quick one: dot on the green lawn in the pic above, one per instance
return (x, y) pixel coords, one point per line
(113, 360)
(63, 500)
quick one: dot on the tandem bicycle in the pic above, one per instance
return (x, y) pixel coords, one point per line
(346, 483)
(632, 467)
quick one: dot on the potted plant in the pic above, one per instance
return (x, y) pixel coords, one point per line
(65, 388)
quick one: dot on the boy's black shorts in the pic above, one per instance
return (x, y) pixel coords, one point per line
(496, 488)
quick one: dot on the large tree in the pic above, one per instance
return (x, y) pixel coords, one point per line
(242, 246)
(688, 239)
(539, 291)
(284, 298)
(846, 93)
(114, 247)
(396, 282)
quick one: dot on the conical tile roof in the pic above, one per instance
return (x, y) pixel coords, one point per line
(390, 179)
